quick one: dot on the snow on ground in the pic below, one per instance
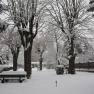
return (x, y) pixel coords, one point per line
(44, 82)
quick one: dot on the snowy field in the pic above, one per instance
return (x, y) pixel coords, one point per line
(44, 82)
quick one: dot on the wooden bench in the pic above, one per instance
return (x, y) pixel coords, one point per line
(12, 75)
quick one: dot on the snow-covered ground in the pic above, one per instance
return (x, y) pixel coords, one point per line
(44, 82)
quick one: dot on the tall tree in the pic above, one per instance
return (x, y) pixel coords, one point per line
(12, 40)
(26, 15)
(71, 17)
(40, 48)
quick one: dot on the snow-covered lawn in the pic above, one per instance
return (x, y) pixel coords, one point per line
(44, 82)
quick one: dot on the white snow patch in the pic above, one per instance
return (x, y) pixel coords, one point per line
(44, 82)
(11, 72)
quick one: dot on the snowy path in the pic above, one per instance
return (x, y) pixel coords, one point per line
(45, 83)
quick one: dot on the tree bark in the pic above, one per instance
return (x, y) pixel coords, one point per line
(71, 69)
(41, 60)
(27, 61)
(15, 57)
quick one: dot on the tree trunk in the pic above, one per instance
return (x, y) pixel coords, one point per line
(71, 69)
(41, 60)
(27, 61)
(15, 57)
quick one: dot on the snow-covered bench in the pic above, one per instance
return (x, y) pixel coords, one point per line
(13, 75)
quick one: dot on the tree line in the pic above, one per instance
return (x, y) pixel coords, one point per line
(69, 18)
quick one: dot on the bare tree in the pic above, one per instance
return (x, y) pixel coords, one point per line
(40, 47)
(71, 17)
(26, 15)
(12, 40)
(4, 54)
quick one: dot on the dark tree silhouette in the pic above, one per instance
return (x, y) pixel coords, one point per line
(26, 16)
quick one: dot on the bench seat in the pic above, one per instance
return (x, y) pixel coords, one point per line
(11, 75)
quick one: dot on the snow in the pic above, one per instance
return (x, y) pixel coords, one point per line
(13, 72)
(5, 66)
(44, 82)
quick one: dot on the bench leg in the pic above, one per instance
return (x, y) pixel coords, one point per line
(20, 80)
(6, 80)
(3, 80)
